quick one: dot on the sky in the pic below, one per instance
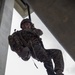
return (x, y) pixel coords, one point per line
(16, 66)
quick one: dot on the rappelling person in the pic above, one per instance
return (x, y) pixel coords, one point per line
(27, 42)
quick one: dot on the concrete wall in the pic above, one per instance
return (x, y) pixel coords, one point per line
(1, 8)
(5, 26)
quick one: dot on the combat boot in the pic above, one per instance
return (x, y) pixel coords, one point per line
(59, 72)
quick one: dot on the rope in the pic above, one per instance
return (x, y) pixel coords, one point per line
(35, 64)
(28, 8)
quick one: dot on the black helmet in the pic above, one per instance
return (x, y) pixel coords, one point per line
(26, 20)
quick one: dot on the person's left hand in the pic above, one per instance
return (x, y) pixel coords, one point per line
(25, 54)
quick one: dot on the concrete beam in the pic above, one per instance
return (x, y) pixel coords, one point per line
(5, 26)
(21, 8)
(59, 17)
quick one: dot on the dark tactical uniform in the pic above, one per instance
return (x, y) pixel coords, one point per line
(28, 43)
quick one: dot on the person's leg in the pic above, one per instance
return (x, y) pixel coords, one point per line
(43, 57)
(49, 67)
(57, 57)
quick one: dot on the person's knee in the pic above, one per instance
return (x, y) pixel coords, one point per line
(59, 52)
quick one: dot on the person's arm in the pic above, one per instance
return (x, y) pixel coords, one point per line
(38, 32)
(14, 42)
(17, 47)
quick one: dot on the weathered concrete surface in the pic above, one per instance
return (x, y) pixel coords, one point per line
(21, 8)
(5, 26)
(1, 8)
(59, 17)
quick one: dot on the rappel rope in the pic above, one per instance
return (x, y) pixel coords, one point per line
(34, 54)
(28, 8)
(35, 63)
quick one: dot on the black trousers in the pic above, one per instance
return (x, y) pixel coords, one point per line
(45, 56)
